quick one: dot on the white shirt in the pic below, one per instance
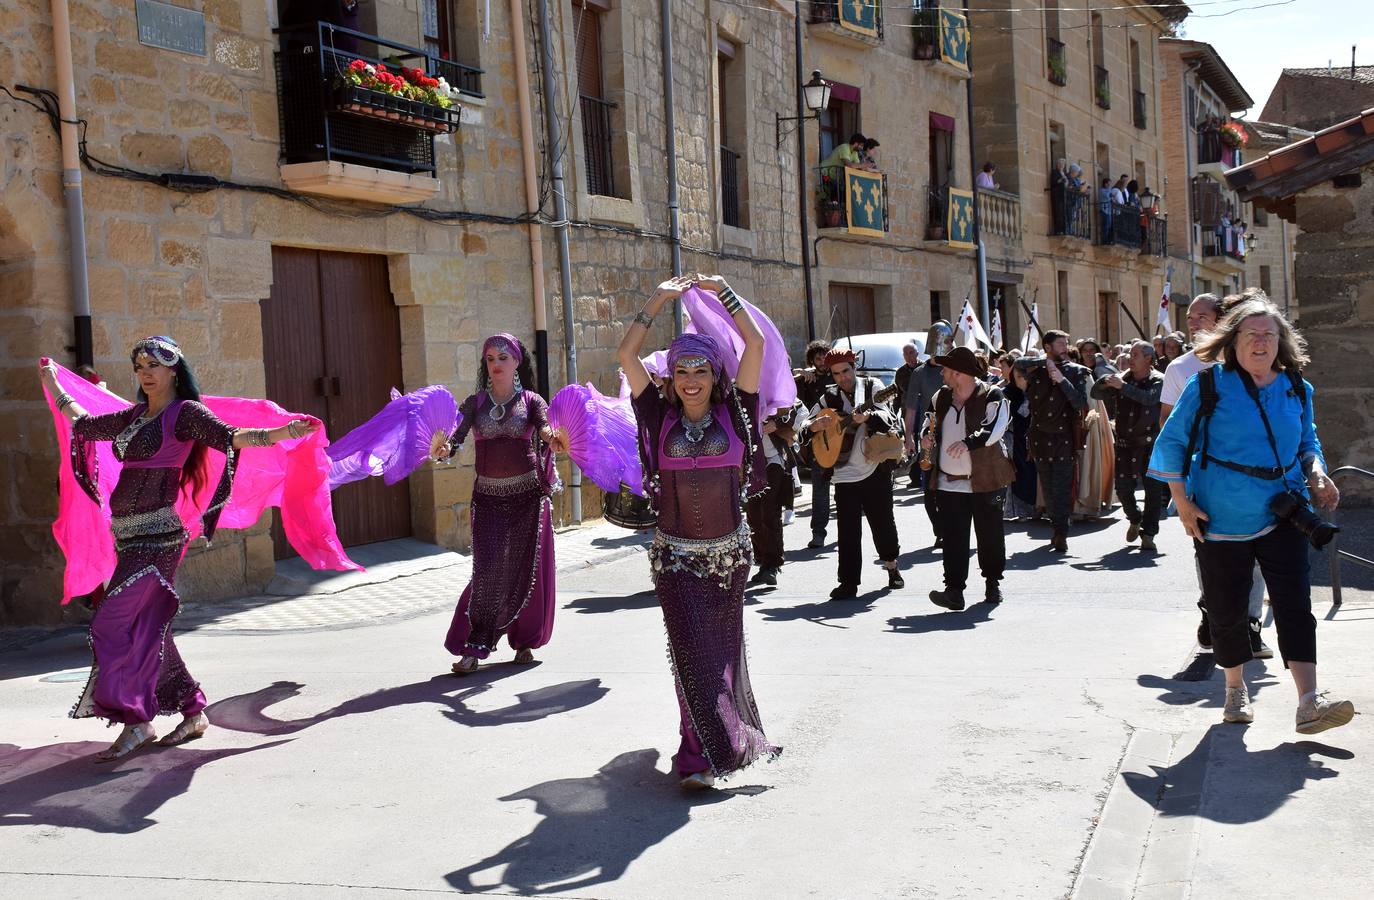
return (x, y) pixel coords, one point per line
(984, 180)
(1176, 377)
(954, 429)
(857, 467)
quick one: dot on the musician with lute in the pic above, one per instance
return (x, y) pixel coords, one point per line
(854, 438)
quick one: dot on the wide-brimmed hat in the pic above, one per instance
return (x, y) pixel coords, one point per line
(961, 359)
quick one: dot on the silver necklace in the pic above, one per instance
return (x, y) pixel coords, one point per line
(695, 431)
(498, 410)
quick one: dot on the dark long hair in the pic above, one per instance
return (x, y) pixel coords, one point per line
(523, 369)
(185, 386)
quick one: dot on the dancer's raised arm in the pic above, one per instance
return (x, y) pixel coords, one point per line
(751, 361)
(633, 341)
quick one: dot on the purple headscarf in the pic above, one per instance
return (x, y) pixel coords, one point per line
(506, 339)
(687, 346)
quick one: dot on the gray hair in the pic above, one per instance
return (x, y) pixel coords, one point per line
(1145, 347)
(1220, 345)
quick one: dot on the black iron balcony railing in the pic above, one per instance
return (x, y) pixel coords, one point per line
(1156, 233)
(729, 187)
(1223, 242)
(467, 79)
(1071, 213)
(999, 214)
(1102, 86)
(832, 210)
(926, 29)
(1119, 224)
(1058, 61)
(1138, 109)
(829, 11)
(937, 212)
(596, 145)
(325, 117)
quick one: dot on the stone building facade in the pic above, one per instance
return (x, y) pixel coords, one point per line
(1269, 252)
(1317, 98)
(1084, 87)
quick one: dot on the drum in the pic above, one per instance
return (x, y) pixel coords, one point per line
(629, 510)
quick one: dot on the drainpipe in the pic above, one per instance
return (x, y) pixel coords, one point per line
(980, 259)
(803, 206)
(670, 118)
(522, 90)
(71, 183)
(560, 212)
(1284, 259)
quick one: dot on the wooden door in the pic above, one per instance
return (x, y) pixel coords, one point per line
(851, 310)
(332, 338)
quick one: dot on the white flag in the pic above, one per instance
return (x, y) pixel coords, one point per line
(996, 330)
(1030, 341)
(1162, 322)
(972, 328)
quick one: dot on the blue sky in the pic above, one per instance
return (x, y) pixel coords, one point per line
(1259, 43)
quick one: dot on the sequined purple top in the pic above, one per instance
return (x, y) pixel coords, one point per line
(700, 502)
(152, 456)
(505, 446)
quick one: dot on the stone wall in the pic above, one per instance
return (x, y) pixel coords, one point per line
(1335, 283)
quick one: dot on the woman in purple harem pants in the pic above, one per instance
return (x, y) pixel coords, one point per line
(512, 588)
(697, 443)
(136, 671)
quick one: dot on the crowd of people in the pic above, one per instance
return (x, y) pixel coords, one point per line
(986, 434)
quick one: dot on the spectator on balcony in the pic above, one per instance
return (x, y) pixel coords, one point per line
(986, 178)
(1133, 193)
(1059, 180)
(868, 157)
(1119, 190)
(1104, 205)
(849, 154)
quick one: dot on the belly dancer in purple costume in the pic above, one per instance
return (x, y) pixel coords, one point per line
(137, 672)
(699, 449)
(512, 587)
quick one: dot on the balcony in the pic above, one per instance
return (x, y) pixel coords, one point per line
(942, 37)
(1070, 213)
(999, 215)
(729, 187)
(1156, 234)
(1221, 247)
(1214, 157)
(1102, 86)
(858, 23)
(1138, 109)
(1057, 61)
(851, 202)
(350, 140)
(596, 145)
(1119, 226)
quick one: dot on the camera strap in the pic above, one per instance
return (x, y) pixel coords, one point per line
(1253, 391)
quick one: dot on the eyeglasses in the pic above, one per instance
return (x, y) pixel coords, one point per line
(1264, 337)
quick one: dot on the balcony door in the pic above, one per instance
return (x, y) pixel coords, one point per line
(331, 338)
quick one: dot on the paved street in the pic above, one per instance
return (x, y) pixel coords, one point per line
(1066, 743)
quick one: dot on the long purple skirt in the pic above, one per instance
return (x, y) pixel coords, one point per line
(704, 615)
(136, 671)
(512, 586)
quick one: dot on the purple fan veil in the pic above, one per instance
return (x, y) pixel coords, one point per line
(395, 441)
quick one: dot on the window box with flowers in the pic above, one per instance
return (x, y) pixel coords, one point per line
(409, 98)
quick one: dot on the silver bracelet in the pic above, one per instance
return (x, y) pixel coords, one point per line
(644, 319)
(730, 300)
(63, 400)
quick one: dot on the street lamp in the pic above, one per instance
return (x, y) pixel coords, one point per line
(813, 98)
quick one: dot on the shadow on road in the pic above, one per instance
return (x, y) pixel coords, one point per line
(971, 617)
(593, 828)
(1242, 785)
(1122, 560)
(1208, 693)
(247, 712)
(62, 785)
(823, 612)
(613, 603)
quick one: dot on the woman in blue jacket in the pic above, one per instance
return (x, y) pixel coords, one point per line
(1241, 457)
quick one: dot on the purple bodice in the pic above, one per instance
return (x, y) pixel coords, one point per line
(697, 500)
(504, 446)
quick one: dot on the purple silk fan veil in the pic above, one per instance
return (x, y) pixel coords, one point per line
(394, 442)
(601, 434)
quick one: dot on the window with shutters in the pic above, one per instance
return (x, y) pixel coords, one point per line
(597, 111)
(732, 96)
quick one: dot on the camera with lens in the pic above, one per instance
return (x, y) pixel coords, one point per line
(1293, 508)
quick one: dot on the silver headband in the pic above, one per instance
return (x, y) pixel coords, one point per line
(165, 352)
(692, 362)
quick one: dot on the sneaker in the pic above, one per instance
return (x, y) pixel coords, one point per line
(1258, 648)
(788, 516)
(953, 600)
(1132, 532)
(817, 541)
(1204, 632)
(1147, 543)
(894, 580)
(1238, 708)
(993, 594)
(845, 592)
(1316, 713)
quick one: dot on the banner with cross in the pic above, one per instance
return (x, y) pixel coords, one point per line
(864, 201)
(954, 38)
(960, 225)
(860, 16)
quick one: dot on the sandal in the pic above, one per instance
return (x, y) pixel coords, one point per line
(191, 728)
(698, 781)
(524, 657)
(134, 737)
(465, 666)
